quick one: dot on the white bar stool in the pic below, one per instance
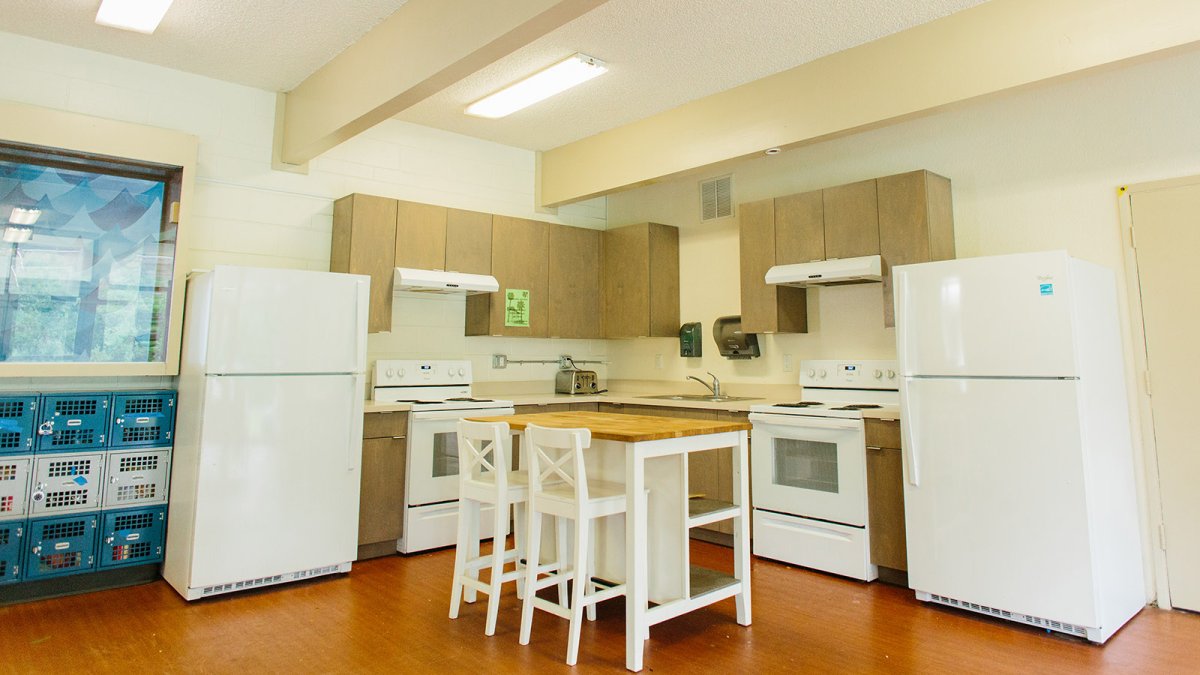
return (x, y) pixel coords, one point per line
(484, 477)
(559, 487)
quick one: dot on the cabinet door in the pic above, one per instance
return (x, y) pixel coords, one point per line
(664, 280)
(420, 236)
(385, 425)
(885, 494)
(626, 280)
(468, 241)
(916, 224)
(364, 242)
(520, 253)
(800, 228)
(574, 284)
(851, 220)
(381, 500)
(756, 251)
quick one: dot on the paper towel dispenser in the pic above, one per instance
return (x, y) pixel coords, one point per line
(731, 341)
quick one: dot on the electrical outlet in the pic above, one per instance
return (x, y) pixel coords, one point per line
(658, 361)
(787, 363)
(499, 361)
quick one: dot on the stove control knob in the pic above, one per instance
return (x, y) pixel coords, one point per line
(462, 372)
(812, 373)
(391, 373)
(822, 373)
(401, 372)
(878, 374)
(891, 374)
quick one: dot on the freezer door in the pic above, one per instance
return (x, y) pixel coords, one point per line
(278, 482)
(998, 514)
(286, 321)
(1002, 316)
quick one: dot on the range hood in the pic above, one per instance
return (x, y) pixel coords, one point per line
(834, 272)
(437, 281)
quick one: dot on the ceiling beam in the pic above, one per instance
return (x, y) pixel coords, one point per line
(992, 47)
(424, 47)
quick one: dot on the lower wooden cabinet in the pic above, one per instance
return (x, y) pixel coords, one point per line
(885, 494)
(381, 493)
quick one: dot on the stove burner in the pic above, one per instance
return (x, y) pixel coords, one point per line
(801, 404)
(468, 399)
(859, 406)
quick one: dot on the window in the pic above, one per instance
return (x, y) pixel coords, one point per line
(88, 256)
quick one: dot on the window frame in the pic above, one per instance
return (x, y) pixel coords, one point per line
(86, 136)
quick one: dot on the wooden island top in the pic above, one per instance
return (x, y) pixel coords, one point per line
(619, 426)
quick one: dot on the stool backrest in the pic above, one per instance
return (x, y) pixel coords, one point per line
(556, 457)
(481, 452)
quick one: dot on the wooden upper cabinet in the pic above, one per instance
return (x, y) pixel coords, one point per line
(767, 308)
(468, 241)
(420, 236)
(520, 252)
(364, 242)
(641, 281)
(916, 224)
(800, 228)
(851, 220)
(574, 285)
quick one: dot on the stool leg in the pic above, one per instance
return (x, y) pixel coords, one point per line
(532, 553)
(460, 558)
(519, 537)
(564, 555)
(500, 528)
(578, 587)
(472, 546)
(591, 572)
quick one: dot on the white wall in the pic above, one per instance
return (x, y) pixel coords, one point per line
(1031, 170)
(247, 214)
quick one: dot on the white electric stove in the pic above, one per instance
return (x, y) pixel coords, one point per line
(439, 395)
(809, 466)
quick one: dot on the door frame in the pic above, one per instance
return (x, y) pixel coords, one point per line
(1141, 371)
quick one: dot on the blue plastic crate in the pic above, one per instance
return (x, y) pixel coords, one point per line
(73, 422)
(60, 546)
(132, 537)
(14, 486)
(142, 419)
(12, 534)
(18, 415)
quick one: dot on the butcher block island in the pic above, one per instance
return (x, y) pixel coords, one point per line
(649, 455)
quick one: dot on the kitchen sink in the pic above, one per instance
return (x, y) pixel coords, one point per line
(701, 397)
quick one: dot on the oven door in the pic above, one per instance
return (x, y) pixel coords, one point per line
(432, 474)
(810, 466)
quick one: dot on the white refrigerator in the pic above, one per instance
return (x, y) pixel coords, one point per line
(265, 480)
(1020, 500)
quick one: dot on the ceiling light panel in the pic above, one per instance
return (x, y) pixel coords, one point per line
(141, 16)
(538, 87)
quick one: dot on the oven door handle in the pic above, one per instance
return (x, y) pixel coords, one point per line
(805, 421)
(459, 414)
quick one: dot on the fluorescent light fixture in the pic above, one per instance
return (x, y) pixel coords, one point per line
(141, 16)
(20, 216)
(538, 87)
(17, 234)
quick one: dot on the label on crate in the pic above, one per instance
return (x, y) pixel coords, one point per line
(62, 546)
(133, 537)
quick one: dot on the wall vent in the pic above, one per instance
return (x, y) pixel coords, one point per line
(716, 198)
(1048, 624)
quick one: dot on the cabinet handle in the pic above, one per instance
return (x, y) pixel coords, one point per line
(874, 447)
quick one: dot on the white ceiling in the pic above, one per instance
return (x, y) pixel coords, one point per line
(663, 53)
(660, 53)
(269, 44)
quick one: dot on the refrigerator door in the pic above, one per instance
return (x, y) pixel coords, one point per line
(998, 514)
(1002, 316)
(278, 483)
(286, 321)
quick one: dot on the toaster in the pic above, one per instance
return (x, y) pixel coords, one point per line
(575, 382)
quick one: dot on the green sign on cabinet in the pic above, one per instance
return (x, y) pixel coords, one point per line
(516, 307)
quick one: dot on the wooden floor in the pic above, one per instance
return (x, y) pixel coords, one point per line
(389, 615)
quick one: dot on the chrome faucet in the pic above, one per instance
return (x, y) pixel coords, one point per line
(715, 387)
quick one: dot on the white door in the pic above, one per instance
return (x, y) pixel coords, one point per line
(432, 473)
(286, 321)
(994, 495)
(1167, 227)
(810, 466)
(278, 483)
(995, 316)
